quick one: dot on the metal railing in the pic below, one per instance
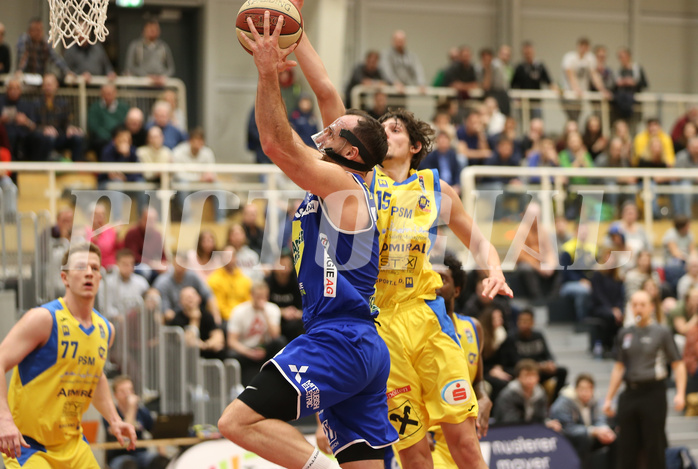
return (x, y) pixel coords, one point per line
(136, 91)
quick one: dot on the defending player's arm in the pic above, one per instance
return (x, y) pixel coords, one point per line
(104, 404)
(279, 142)
(329, 100)
(483, 399)
(32, 331)
(484, 253)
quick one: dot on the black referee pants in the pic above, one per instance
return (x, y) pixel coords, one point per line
(642, 410)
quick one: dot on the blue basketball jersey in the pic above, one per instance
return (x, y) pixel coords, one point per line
(337, 270)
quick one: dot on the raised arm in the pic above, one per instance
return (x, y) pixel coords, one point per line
(485, 254)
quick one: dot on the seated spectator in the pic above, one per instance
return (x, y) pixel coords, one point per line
(635, 277)
(461, 75)
(253, 143)
(204, 260)
(54, 243)
(529, 344)
(151, 260)
(570, 126)
(683, 317)
(537, 258)
(122, 286)
(171, 283)
(584, 423)
(367, 72)
(473, 134)
(621, 129)
(162, 117)
(690, 130)
(253, 231)
(201, 330)
(134, 123)
(544, 157)
(642, 140)
(303, 120)
(492, 81)
(120, 150)
(504, 155)
(607, 302)
(179, 119)
(34, 53)
(492, 118)
(254, 332)
(444, 158)
(247, 258)
(88, 60)
(285, 293)
(493, 336)
(655, 158)
(635, 235)
(613, 157)
(524, 400)
(154, 152)
(195, 153)
(380, 105)
(442, 123)
(8, 190)
(678, 128)
(687, 158)
(55, 117)
(19, 116)
(576, 283)
(230, 286)
(531, 141)
(690, 279)
(576, 155)
(104, 116)
(690, 358)
(132, 411)
(103, 236)
(615, 241)
(678, 246)
(593, 137)
(150, 56)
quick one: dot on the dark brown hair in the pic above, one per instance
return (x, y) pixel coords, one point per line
(418, 130)
(371, 133)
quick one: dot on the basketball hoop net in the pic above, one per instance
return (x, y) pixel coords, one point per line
(74, 21)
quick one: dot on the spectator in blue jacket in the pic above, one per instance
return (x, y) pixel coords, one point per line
(303, 120)
(584, 424)
(445, 160)
(120, 150)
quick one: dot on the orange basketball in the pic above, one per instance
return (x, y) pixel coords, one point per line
(292, 29)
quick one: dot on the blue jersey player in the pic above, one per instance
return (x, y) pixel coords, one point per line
(340, 366)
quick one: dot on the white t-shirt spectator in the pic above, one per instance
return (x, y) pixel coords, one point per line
(251, 325)
(682, 242)
(581, 66)
(116, 292)
(182, 155)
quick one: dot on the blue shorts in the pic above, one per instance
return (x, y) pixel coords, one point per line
(340, 369)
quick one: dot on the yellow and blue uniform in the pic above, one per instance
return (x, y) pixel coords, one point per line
(53, 386)
(470, 341)
(428, 383)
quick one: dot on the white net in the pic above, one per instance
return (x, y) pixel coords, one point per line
(74, 21)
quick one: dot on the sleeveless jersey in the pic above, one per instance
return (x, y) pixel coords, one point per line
(336, 269)
(53, 386)
(407, 214)
(469, 341)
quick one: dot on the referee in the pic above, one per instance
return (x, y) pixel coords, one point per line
(643, 352)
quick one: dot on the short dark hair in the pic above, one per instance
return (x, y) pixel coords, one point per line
(583, 41)
(526, 364)
(197, 132)
(653, 120)
(119, 129)
(35, 19)
(371, 133)
(80, 247)
(124, 252)
(456, 268)
(528, 311)
(680, 222)
(486, 51)
(584, 377)
(418, 130)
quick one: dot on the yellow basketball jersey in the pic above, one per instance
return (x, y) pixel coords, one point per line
(469, 341)
(407, 214)
(53, 386)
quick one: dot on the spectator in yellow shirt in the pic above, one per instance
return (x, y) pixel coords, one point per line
(229, 285)
(642, 141)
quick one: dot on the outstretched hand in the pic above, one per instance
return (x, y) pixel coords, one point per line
(496, 285)
(268, 56)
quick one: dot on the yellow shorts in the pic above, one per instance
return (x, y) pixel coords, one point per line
(75, 454)
(429, 381)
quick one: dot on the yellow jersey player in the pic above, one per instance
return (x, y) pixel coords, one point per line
(428, 383)
(469, 331)
(57, 352)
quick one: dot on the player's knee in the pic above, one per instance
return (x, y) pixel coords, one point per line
(232, 423)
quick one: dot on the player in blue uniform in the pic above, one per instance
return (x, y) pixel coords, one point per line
(340, 366)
